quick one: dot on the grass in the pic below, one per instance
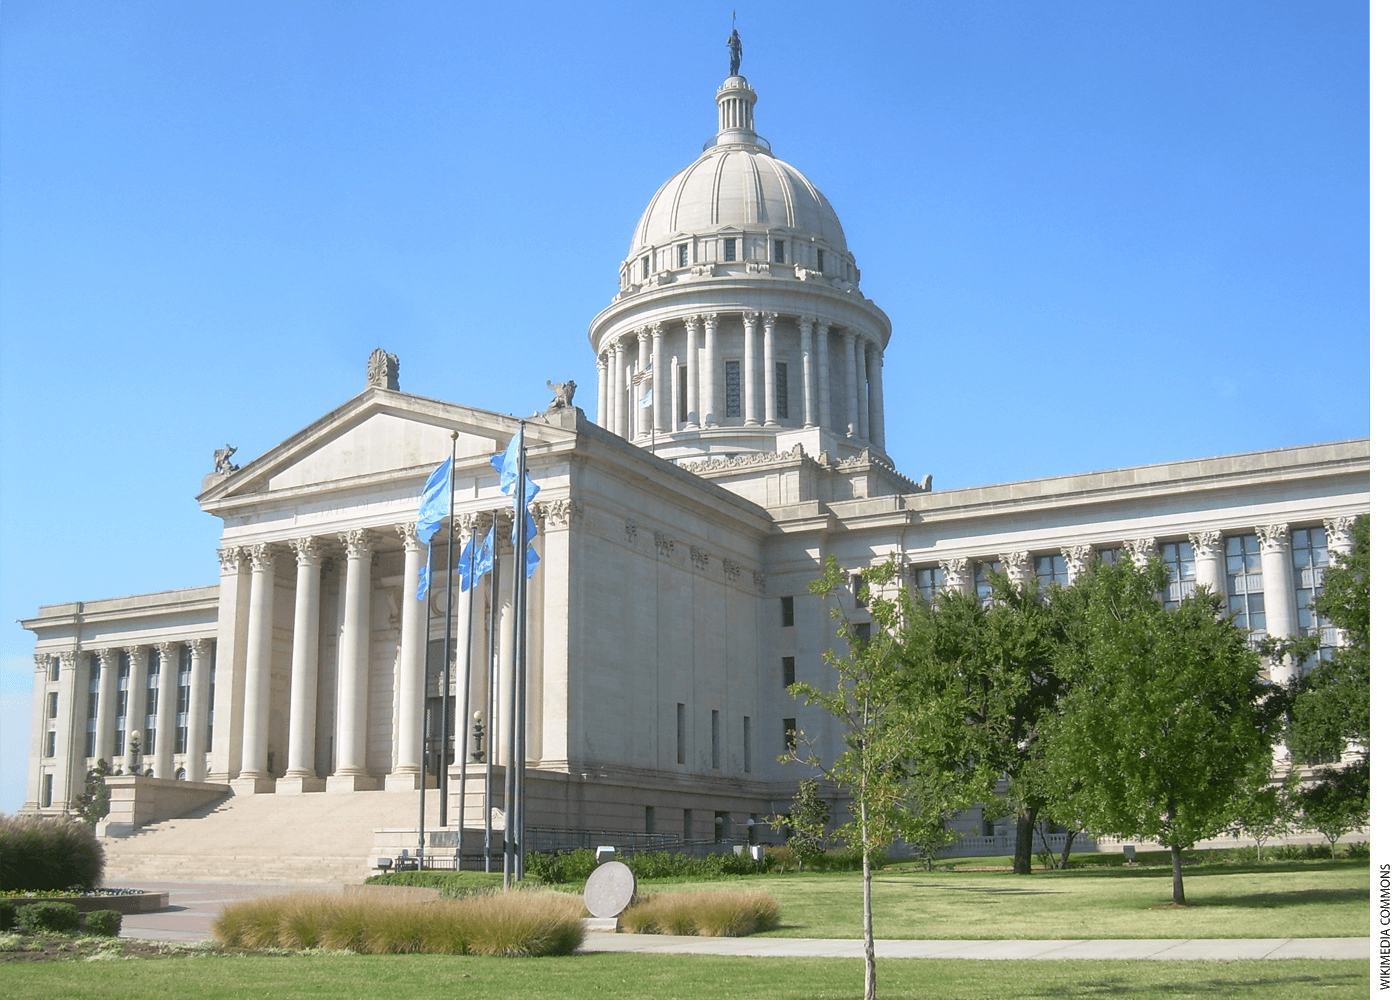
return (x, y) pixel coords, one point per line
(1295, 899)
(518, 924)
(373, 977)
(713, 913)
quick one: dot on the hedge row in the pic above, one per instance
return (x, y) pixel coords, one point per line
(48, 853)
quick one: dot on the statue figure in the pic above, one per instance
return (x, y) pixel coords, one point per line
(222, 465)
(563, 394)
(736, 52)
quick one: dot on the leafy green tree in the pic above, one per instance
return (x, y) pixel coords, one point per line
(1267, 812)
(878, 722)
(1336, 806)
(95, 801)
(1165, 715)
(1331, 703)
(932, 797)
(806, 820)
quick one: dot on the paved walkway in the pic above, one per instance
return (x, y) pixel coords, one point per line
(194, 905)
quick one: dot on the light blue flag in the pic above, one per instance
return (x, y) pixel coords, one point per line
(507, 463)
(476, 564)
(425, 573)
(646, 400)
(436, 499)
(532, 558)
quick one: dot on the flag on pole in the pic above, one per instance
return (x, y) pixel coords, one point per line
(425, 573)
(642, 375)
(508, 465)
(476, 562)
(646, 400)
(436, 499)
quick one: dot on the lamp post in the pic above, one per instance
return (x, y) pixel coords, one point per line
(478, 734)
(133, 753)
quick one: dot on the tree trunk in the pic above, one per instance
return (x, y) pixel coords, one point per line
(1178, 893)
(1069, 842)
(868, 916)
(1025, 840)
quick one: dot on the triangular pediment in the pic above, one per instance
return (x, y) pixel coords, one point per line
(378, 433)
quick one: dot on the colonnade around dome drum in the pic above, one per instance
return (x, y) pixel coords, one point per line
(792, 372)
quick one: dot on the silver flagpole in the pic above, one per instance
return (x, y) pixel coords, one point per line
(424, 729)
(446, 675)
(464, 679)
(492, 679)
(521, 621)
(508, 799)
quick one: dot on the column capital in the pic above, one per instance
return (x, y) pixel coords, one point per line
(1339, 540)
(822, 326)
(1272, 537)
(408, 534)
(200, 647)
(133, 652)
(692, 324)
(750, 319)
(68, 659)
(655, 329)
(603, 360)
(41, 661)
(1078, 558)
(166, 649)
(308, 550)
(711, 320)
(559, 513)
(770, 320)
(107, 657)
(804, 323)
(1017, 565)
(1208, 543)
(958, 572)
(1141, 550)
(231, 558)
(260, 556)
(357, 543)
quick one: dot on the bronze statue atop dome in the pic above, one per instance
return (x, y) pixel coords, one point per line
(736, 52)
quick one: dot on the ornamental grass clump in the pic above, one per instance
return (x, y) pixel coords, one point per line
(51, 852)
(516, 924)
(723, 913)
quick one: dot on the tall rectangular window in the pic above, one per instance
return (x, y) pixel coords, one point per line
(714, 739)
(861, 631)
(1051, 571)
(787, 609)
(730, 248)
(646, 267)
(733, 389)
(182, 707)
(46, 792)
(748, 753)
(1310, 562)
(789, 671)
(1109, 556)
(779, 252)
(1244, 583)
(790, 735)
(53, 668)
(780, 389)
(123, 697)
(52, 710)
(152, 698)
(680, 733)
(930, 580)
(1180, 558)
(687, 825)
(650, 819)
(209, 719)
(821, 261)
(983, 579)
(94, 679)
(50, 743)
(682, 395)
(683, 255)
(857, 588)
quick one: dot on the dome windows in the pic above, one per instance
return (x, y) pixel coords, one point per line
(779, 252)
(683, 255)
(730, 249)
(821, 260)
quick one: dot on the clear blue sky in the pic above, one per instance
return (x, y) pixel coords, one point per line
(1106, 233)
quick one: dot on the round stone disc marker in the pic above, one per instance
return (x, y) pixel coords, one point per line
(610, 889)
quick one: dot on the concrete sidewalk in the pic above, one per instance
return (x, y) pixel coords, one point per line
(195, 905)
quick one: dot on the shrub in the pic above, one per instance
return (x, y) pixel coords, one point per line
(520, 923)
(103, 923)
(7, 914)
(781, 859)
(1360, 849)
(47, 918)
(720, 913)
(48, 853)
(553, 869)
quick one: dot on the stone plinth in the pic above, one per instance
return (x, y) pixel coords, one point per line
(138, 801)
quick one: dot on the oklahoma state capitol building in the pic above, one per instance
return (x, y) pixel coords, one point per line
(670, 608)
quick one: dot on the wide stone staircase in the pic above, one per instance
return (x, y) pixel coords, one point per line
(314, 838)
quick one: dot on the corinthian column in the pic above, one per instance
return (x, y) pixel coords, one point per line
(848, 337)
(750, 369)
(958, 576)
(1077, 560)
(306, 641)
(408, 732)
(823, 375)
(1209, 550)
(877, 397)
(804, 327)
(197, 737)
(660, 381)
(619, 391)
(645, 414)
(230, 665)
(770, 371)
(863, 389)
(254, 776)
(1280, 615)
(708, 407)
(135, 720)
(108, 660)
(602, 411)
(1339, 540)
(1141, 550)
(166, 695)
(352, 671)
(692, 373)
(1018, 567)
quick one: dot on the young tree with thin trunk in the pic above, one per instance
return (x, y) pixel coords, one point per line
(1166, 716)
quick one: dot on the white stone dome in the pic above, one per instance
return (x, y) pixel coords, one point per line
(741, 186)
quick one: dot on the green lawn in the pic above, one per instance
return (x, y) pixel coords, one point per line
(655, 977)
(1297, 899)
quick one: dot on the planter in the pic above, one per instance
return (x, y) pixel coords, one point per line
(141, 902)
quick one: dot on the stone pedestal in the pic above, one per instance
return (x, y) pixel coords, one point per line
(406, 781)
(299, 784)
(253, 785)
(338, 783)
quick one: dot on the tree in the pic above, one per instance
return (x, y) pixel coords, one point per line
(1331, 703)
(1336, 806)
(806, 819)
(932, 797)
(878, 724)
(1267, 812)
(95, 801)
(1166, 715)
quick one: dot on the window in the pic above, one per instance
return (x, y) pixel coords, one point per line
(821, 261)
(790, 735)
(182, 707)
(714, 739)
(730, 248)
(861, 631)
(52, 705)
(90, 735)
(789, 671)
(1244, 583)
(983, 579)
(1109, 556)
(1180, 558)
(650, 819)
(50, 743)
(733, 389)
(930, 580)
(780, 389)
(180, 775)
(53, 668)
(788, 614)
(682, 396)
(748, 757)
(46, 793)
(779, 252)
(687, 827)
(152, 697)
(857, 586)
(209, 720)
(682, 260)
(123, 697)
(1310, 562)
(646, 267)
(1051, 571)
(680, 733)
